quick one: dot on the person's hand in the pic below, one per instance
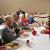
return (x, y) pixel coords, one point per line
(21, 32)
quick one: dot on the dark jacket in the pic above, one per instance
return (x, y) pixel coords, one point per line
(8, 35)
(1, 21)
(31, 20)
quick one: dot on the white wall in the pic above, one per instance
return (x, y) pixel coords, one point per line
(9, 6)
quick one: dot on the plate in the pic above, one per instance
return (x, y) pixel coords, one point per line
(12, 45)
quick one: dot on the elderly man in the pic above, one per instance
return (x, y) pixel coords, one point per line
(9, 33)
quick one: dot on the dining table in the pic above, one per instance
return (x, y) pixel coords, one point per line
(40, 41)
(36, 42)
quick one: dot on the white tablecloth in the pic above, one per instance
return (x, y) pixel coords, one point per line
(40, 42)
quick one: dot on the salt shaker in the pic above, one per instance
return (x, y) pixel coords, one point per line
(27, 42)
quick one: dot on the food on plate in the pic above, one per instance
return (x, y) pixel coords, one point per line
(46, 31)
(12, 45)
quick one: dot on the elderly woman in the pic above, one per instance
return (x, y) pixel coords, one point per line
(9, 33)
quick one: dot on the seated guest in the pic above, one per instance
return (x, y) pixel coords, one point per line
(20, 11)
(24, 21)
(27, 15)
(31, 18)
(9, 33)
(15, 16)
(1, 20)
(17, 22)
